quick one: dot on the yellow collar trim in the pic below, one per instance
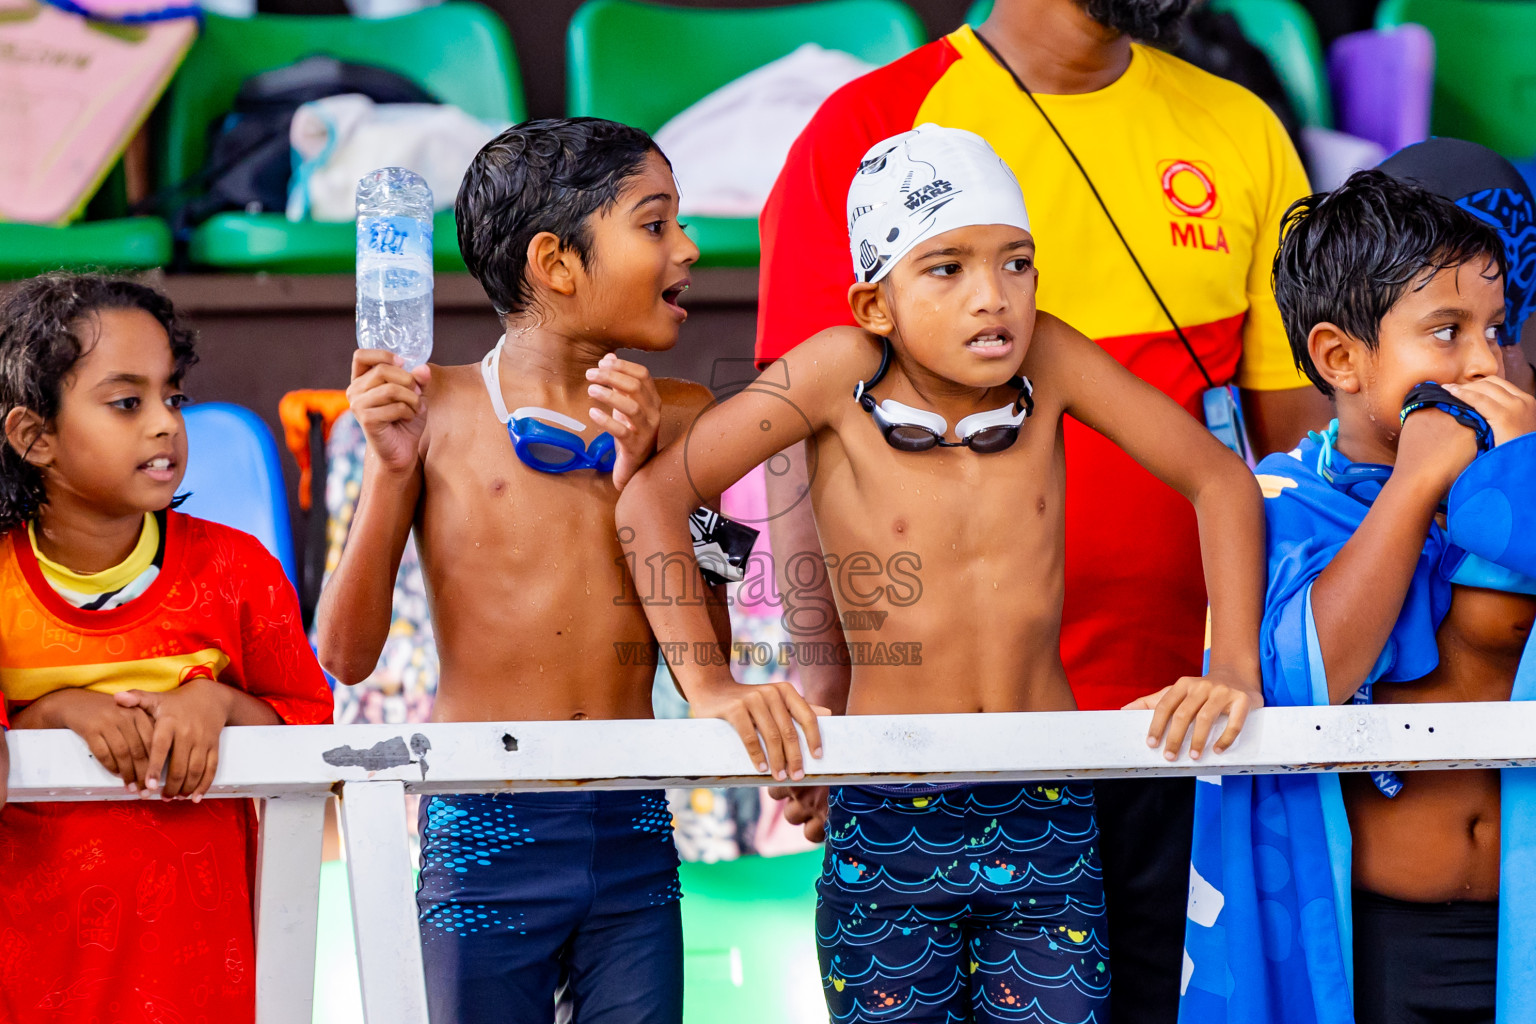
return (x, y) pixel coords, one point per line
(108, 580)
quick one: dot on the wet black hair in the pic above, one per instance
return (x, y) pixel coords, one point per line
(549, 174)
(1347, 256)
(41, 341)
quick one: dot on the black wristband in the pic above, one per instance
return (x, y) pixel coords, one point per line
(1430, 395)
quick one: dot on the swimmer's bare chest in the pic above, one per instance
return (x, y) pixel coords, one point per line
(955, 556)
(534, 614)
(1438, 839)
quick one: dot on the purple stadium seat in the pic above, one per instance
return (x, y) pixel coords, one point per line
(1381, 82)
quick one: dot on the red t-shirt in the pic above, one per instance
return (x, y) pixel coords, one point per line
(137, 911)
(1197, 172)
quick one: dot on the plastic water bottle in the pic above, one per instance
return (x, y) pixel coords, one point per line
(394, 264)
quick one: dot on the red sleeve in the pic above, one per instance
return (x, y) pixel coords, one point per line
(805, 271)
(278, 664)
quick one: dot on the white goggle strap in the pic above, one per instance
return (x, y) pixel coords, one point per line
(490, 372)
(559, 419)
(891, 413)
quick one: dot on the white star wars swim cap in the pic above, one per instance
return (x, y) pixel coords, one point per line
(923, 183)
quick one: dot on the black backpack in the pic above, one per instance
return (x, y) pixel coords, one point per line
(249, 159)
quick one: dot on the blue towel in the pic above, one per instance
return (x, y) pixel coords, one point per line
(1269, 936)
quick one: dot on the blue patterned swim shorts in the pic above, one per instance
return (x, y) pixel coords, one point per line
(974, 903)
(529, 894)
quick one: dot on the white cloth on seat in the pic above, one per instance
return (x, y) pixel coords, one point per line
(338, 139)
(726, 149)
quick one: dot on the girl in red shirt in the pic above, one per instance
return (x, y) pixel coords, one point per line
(146, 632)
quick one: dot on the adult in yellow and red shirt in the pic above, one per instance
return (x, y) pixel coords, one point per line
(1197, 173)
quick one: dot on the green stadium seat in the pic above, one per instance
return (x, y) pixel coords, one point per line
(124, 244)
(1485, 68)
(269, 241)
(106, 239)
(611, 67)
(459, 52)
(1284, 32)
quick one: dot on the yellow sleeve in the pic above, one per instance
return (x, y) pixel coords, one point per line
(1267, 364)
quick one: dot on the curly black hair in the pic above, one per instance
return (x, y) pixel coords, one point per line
(1347, 256)
(548, 174)
(40, 342)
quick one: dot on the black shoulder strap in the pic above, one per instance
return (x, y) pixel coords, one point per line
(1102, 205)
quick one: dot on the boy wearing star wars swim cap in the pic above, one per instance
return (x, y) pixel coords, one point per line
(935, 430)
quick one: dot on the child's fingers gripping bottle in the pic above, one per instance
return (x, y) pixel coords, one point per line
(394, 264)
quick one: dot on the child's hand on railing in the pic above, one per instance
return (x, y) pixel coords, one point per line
(769, 711)
(187, 723)
(1199, 701)
(805, 806)
(118, 737)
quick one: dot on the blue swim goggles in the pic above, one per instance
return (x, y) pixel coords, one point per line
(539, 445)
(552, 450)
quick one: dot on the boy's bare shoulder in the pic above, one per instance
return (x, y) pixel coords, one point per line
(455, 384)
(687, 395)
(451, 398)
(1059, 337)
(682, 401)
(1059, 352)
(836, 358)
(842, 347)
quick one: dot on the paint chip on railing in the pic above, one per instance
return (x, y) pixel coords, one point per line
(386, 754)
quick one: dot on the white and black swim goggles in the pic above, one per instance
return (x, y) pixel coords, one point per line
(917, 430)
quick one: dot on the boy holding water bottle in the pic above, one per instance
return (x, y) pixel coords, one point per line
(571, 227)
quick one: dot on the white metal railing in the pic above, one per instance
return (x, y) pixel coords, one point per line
(371, 768)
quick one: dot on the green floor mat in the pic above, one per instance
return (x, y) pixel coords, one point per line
(748, 938)
(749, 941)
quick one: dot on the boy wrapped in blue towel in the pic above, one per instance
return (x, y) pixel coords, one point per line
(1402, 551)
